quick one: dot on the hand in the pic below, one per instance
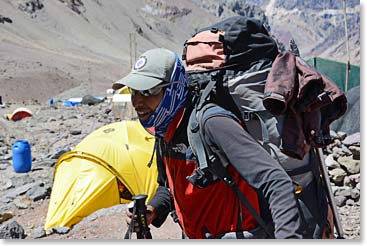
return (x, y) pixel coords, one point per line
(151, 215)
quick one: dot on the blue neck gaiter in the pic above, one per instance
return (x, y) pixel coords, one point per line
(173, 100)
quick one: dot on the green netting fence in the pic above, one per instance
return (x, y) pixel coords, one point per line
(336, 71)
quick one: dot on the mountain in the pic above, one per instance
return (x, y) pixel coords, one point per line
(61, 48)
(317, 26)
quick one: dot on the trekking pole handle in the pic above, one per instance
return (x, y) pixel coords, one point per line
(141, 211)
(130, 229)
(325, 175)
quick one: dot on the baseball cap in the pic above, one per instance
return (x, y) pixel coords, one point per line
(150, 69)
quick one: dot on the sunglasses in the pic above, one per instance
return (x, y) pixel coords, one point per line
(152, 91)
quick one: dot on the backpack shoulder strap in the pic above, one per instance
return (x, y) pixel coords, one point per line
(215, 163)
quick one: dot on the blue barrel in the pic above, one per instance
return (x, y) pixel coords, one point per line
(22, 157)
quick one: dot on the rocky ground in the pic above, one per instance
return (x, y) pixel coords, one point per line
(55, 129)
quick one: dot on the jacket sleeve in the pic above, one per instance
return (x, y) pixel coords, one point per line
(280, 86)
(259, 170)
(161, 200)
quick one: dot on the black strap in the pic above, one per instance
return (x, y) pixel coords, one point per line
(228, 179)
(205, 95)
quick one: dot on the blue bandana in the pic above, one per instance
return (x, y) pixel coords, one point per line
(173, 99)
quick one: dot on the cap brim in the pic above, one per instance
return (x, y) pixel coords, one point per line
(137, 82)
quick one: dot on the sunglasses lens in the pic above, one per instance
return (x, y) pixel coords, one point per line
(154, 91)
(151, 92)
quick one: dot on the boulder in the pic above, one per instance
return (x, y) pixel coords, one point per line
(351, 165)
(11, 230)
(337, 176)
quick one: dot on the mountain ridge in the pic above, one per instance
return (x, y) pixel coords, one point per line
(53, 46)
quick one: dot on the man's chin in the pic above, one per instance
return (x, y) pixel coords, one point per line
(143, 117)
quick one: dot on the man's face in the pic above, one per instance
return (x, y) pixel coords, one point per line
(146, 105)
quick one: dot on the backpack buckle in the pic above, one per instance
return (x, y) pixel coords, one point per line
(247, 115)
(214, 30)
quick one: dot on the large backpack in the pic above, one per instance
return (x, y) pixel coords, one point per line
(227, 65)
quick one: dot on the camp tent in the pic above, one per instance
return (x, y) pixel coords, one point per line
(106, 168)
(19, 114)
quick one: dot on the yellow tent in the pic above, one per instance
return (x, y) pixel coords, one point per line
(106, 168)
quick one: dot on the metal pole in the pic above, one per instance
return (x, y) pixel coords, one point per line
(131, 50)
(330, 194)
(347, 44)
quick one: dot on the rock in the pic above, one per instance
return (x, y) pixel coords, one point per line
(58, 152)
(18, 191)
(343, 191)
(5, 208)
(39, 232)
(21, 179)
(5, 216)
(8, 185)
(75, 131)
(331, 163)
(4, 166)
(337, 152)
(355, 193)
(356, 151)
(72, 117)
(341, 135)
(346, 151)
(22, 202)
(349, 202)
(351, 165)
(60, 230)
(352, 180)
(353, 139)
(39, 191)
(6, 157)
(3, 150)
(11, 230)
(337, 175)
(333, 134)
(340, 200)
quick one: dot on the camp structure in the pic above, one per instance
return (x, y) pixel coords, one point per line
(19, 114)
(106, 168)
(336, 72)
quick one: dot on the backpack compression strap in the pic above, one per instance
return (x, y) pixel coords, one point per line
(216, 165)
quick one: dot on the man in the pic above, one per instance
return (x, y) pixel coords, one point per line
(161, 98)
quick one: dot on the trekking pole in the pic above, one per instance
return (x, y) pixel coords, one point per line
(140, 210)
(132, 208)
(330, 194)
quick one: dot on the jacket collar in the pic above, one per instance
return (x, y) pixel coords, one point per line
(173, 126)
